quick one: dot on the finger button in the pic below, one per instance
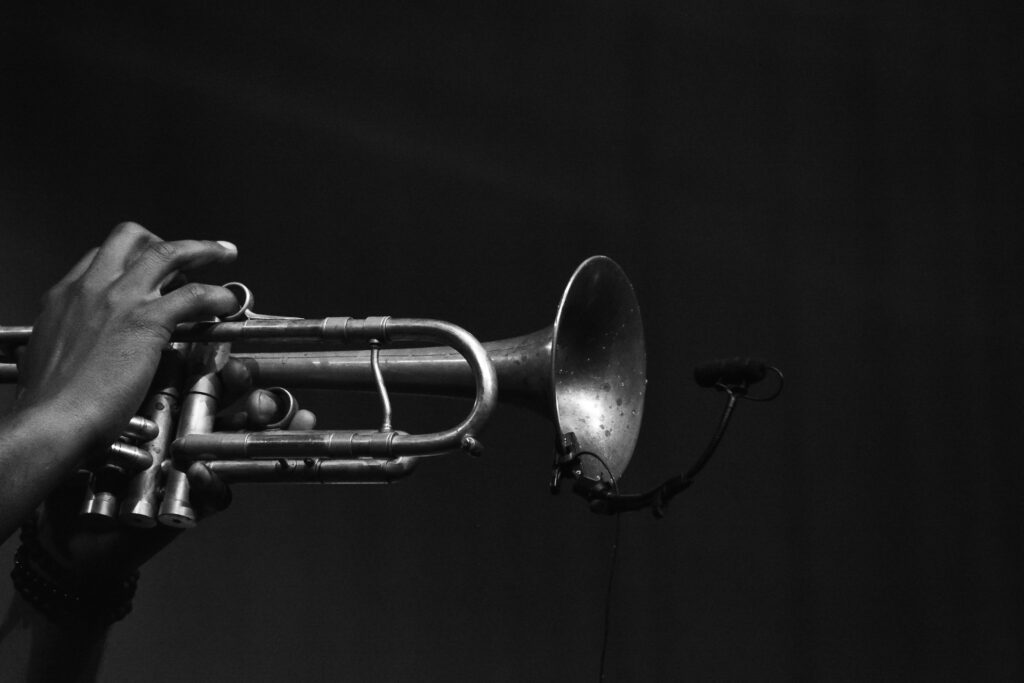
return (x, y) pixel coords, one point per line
(245, 298)
(271, 408)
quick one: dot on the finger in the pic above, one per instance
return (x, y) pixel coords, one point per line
(236, 377)
(163, 259)
(172, 282)
(231, 421)
(304, 420)
(121, 248)
(263, 408)
(194, 301)
(209, 492)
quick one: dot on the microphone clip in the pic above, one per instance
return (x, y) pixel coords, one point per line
(734, 376)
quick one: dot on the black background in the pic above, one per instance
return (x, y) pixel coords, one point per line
(835, 187)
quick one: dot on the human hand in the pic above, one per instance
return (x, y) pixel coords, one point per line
(97, 342)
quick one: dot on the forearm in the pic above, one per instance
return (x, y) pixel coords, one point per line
(33, 648)
(57, 623)
(39, 449)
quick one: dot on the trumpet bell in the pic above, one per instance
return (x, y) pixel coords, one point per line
(598, 368)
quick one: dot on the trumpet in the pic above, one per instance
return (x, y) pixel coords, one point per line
(586, 373)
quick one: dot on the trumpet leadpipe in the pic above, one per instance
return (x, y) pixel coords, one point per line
(339, 329)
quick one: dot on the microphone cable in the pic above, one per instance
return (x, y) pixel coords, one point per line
(608, 597)
(606, 627)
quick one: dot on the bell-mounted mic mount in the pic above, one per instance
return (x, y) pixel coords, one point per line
(734, 376)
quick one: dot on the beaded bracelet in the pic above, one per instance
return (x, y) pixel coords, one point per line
(61, 596)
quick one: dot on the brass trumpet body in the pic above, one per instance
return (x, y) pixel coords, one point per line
(585, 373)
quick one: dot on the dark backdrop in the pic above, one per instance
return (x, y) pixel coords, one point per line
(832, 186)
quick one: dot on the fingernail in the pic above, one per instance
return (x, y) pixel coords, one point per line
(228, 245)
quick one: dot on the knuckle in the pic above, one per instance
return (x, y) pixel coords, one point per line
(82, 288)
(193, 292)
(111, 298)
(130, 229)
(163, 251)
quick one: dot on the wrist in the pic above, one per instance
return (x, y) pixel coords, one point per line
(63, 435)
(66, 598)
(38, 451)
